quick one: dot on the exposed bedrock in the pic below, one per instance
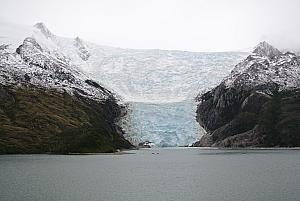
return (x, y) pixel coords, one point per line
(257, 105)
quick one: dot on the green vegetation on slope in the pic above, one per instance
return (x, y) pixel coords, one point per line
(33, 120)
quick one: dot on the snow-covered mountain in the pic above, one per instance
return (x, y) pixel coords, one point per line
(256, 105)
(37, 61)
(267, 64)
(138, 76)
(47, 103)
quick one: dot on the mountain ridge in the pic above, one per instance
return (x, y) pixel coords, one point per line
(256, 105)
(165, 71)
(48, 105)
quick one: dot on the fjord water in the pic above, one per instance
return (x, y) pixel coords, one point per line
(178, 174)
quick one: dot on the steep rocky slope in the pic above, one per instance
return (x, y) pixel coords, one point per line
(256, 105)
(47, 105)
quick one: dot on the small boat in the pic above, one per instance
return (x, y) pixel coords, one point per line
(146, 144)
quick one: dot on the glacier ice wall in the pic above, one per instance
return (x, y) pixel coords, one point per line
(164, 124)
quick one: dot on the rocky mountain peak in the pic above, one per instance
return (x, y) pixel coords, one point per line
(264, 49)
(256, 105)
(266, 65)
(42, 27)
(78, 40)
(82, 49)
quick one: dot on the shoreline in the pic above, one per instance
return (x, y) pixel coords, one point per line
(126, 152)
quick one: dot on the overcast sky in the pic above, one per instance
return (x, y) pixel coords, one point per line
(195, 25)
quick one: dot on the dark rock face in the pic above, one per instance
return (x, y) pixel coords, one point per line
(255, 119)
(98, 86)
(6, 98)
(254, 107)
(228, 112)
(37, 121)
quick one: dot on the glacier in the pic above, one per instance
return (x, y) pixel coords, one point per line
(158, 86)
(163, 124)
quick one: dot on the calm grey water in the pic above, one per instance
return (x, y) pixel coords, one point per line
(180, 174)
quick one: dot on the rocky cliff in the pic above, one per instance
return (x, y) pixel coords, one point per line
(257, 105)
